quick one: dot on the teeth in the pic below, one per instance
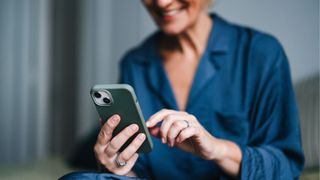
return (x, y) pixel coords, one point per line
(171, 13)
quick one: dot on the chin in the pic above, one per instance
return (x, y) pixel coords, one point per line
(173, 29)
(172, 32)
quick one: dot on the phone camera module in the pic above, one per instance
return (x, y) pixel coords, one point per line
(97, 95)
(102, 97)
(107, 100)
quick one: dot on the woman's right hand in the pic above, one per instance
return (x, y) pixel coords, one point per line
(107, 148)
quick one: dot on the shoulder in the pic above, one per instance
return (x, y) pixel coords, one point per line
(261, 48)
(252, 43)
(260, 51)
(265, 45)
(255, 54)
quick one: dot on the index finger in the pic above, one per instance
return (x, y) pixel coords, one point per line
(107, 129)
(158, 117)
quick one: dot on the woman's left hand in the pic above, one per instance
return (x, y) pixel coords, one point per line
(184, 131)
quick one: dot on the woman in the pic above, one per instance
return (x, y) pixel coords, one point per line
(221, 93)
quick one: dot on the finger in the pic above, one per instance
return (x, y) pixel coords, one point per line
(126, 154)
(155, 131)
(106, 130)
(175, 130)
(133, 159)
(187, 133)
(158, 117)
(166, 124)
(125, 169)
(120, 139)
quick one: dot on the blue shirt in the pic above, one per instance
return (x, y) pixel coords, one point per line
(241, 92)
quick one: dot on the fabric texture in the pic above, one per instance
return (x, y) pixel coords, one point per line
(241, 92)
(95, 176)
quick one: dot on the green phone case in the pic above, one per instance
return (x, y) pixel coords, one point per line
(124, 103)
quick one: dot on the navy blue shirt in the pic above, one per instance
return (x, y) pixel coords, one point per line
(241, 92)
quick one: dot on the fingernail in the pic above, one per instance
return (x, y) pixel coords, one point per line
(134, 127)
(148, 123)
(142, 137)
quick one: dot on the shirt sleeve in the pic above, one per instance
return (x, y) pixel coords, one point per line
(274, 148)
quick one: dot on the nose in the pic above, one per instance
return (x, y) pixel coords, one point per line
(163, 3)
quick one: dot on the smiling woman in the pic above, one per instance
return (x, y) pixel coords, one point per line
(217, 94)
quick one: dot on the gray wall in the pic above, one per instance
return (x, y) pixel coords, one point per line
(53, 51)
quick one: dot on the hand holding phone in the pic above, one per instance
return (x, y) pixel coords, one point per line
(107, 147)
(124, 133)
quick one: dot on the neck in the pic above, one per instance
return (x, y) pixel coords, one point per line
(192, 42)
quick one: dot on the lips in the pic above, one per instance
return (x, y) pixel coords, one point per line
(169, 14)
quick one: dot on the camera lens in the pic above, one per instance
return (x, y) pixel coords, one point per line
(97, 95)
(107, 100)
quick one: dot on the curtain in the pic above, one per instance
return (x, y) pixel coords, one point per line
(24, 80)
(51, 53)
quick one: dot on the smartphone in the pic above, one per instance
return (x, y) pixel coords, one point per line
(110, 99)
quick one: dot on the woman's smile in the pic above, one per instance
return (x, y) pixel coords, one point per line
(175, 16)
(170, 14)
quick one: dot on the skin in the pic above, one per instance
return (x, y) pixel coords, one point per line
(186, 27)
(106, 148)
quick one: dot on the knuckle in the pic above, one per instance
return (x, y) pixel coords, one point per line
(176, 124)
(164, 110)
(128, 131)
(193, 117)
(102, 161)
(109, 126)
(133, 147)
(113, 146)
(126, 155)
(102, 134)
(96, 148)
(137, 143)
(170, 117)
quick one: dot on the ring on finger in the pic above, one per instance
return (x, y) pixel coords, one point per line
(120, 163)
(188, 124)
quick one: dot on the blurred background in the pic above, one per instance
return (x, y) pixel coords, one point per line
(53, 51)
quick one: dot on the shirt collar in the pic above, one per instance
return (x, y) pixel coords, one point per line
(219, 40)
(221, 35)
